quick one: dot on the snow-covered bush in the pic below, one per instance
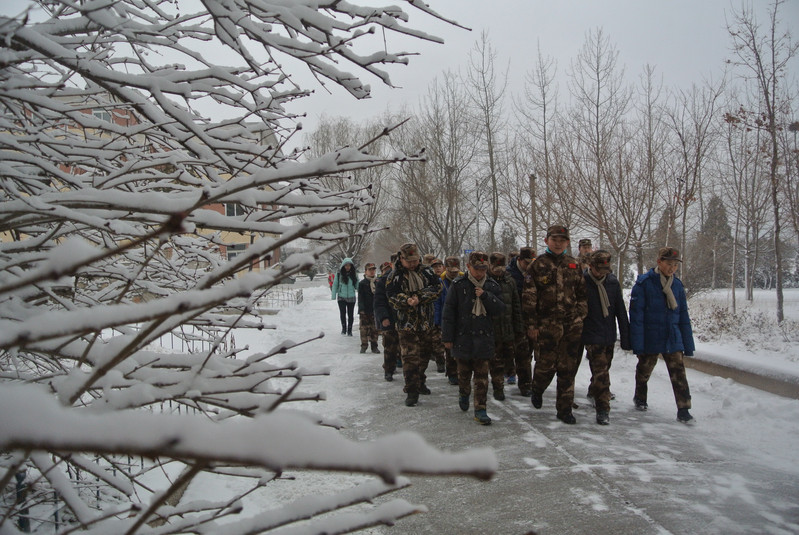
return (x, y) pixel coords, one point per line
(110, 240)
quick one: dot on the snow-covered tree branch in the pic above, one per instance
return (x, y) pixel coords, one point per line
(119, 196)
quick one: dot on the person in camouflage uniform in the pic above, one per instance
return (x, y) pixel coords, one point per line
(507, 326)
(412, 291)
(473, 301)
(659, 324)
(452, 270)
(554, 301)
(385, 322)
(605, 309)
(438, 269)
(584, 249)
(523, 358)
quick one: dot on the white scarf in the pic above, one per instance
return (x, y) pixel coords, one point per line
(371, 282)
(666, 283)
(478, 309)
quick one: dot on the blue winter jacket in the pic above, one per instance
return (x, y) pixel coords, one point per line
(346, 290)
(654, 328)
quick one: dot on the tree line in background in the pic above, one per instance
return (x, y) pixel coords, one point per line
(712, 169)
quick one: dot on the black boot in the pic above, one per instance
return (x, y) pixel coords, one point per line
(374, 348)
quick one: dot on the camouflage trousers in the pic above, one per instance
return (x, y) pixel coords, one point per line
(504, 352)
(479, 369)
(416, 348)
(676, 367)
(523, 362)
(558, 352)
(391, 350)
(438, 347)
(368, 330)
(599, 359)
(450, 364)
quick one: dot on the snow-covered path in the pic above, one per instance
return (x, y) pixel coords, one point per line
(734, 471)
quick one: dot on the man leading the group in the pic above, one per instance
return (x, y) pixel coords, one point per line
(554, 302)
(659, 324)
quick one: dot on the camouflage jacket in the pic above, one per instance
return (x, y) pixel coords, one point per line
(421, 316)
(554, 290)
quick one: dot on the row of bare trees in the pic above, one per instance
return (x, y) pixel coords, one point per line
(634, 166)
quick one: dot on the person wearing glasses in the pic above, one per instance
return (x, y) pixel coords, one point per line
(467, 329)
(554, 302)
(660, 325)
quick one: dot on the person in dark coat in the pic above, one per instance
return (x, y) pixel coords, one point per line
(508, 326)
(452, 270)
(385, 320)
(523, 359)
(660, 325)
(366, 308)
(468, 330)
(605, 309)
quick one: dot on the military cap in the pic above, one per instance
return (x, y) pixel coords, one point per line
(600, 260)
(385, 266)
(526, 253)
(497, 259)
(558, 230)
(428, 259)
(585, 242)
(436, 261)
(478, 259)
(669, 253)
(409, 251)
(369, 265)
(452, 262)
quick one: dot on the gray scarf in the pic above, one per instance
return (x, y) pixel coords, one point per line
(666, 284)
(478, 309)
(415, 281)
(603, 293)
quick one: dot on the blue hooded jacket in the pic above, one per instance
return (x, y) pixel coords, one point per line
(345, 289)
(654, 328)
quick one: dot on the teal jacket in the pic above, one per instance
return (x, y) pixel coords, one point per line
(344, 288)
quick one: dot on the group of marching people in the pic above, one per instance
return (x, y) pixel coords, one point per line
(486, 323)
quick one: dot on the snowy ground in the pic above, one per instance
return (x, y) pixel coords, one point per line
(734, 471)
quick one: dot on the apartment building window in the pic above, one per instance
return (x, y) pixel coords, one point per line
(102, 115)
(234, 249)
(233, 209)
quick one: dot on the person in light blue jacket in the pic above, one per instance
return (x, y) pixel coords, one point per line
(345, 288)
(660, 325)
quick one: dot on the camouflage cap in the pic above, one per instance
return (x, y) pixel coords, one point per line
(669, 253)
(452, 262)
(585, 242)
(558, 230)
(428, 259)
(526, 253)
(600, 260)
(436, 262)
(409, 251)
(478, 259)
(369, 265)
(497, 259)
(385, 266)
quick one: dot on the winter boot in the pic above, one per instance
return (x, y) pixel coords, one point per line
(640, 405)
(684, 416)
(463, 403)
(374, 348)
(499, 394)
(453, 380)
(424, 390)
(412, 399)
(602, 418)
(349, 331)
(343, 331)
(567, 418)
(537, 400)
(389, 376)
(481, 417)
(363, 349)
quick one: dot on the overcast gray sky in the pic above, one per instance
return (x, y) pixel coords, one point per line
(686, 40)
